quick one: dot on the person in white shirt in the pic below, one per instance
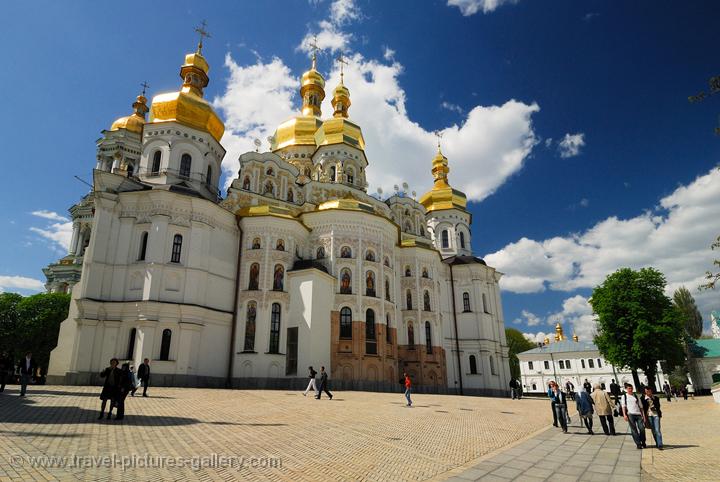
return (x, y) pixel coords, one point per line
(634, 415)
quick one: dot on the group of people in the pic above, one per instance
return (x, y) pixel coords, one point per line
(313, 384)
(639, 412)
(678, 392)
(515, 389)
(26, 369)
(118, 383)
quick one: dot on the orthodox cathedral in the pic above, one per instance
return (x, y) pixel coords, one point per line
(296, 266)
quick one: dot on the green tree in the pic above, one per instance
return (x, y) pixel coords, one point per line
(685, 304)
(637, 323)
(39, 318)
(8, 322)
(712, 278)
(678, 377)
(517, 343)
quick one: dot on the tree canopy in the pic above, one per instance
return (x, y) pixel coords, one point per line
(685, 304)
(517, 343)
(637, 323)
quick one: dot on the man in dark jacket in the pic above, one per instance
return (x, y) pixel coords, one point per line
(651, 407)
(125, 385)
(27, 368)
(143, 374)
(585, 409)
(615, 391)
(587, 386)
(323, 384)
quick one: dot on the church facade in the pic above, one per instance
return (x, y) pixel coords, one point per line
(296, 266)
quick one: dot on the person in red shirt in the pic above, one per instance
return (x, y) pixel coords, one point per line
(408, 389)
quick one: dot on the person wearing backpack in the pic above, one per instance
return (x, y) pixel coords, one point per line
(651, 407)
(312, 385)
(634, 415)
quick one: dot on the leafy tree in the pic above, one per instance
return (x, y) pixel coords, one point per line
(8, 322)
(712, 278)
(517, 343)
(39, 318)
(685, 304)
(678, 377)
(637, 323)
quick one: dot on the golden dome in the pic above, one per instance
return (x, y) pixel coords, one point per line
(312, 77)
(442, 196)
(347, 203)
(135, 121)
(187, 106)
(559, 336)
(575, 338)
(340, 130)
(298, 131)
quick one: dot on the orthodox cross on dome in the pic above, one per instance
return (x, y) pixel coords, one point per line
(144, 85)
(314, 47)
(341, 60)
(439, 136)
(202, 31)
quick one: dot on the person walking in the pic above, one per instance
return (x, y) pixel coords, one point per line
(615, 391)
(408, 389)
(560, 405)
(311, 376)
(551, 396)
(651, 407)
(604, 409)
(5, 365)
(134, 379)
(125, 385)
(143, 374)
(323, 384)
(112, 376)
(668, 391)
(513, 388)
(684, 392)
(570, 389)
(27, 368)
(634, 415)
(584, 406)
(587, 386)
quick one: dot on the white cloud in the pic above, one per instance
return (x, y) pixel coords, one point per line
(570, 145)
(452, 107)
(674, 238)
(330, 35)
(59, 233)
(530, 318)
(21, 283)
(43, 213)
(388, 54)
(488, 146)
(535, 337)
(577, 312)
(471, 7)
(344, 11)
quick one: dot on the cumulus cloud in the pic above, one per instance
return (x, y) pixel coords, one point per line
(571, 144)
(674, 237)
(484, 149)
(529, 318)
(576, 312)
(329, 34)
(58, 233)
(535, 337)
(20, 283)
(471, 7)
(451, 107)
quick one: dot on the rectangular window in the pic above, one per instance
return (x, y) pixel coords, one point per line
(567, 364)
(176, 249)
(275, 329)
(530, 365)
(547, 365)
(591, 363)
(562, 365)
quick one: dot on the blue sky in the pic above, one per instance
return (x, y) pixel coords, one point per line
(632, 185)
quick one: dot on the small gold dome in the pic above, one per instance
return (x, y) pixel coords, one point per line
(341, 90)
(442, 196)
(312, 77)
(297, 131)
(340, 130)
(198, 61)
(135, 121)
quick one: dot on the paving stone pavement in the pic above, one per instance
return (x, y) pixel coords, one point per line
(281, 435)
(691, 435)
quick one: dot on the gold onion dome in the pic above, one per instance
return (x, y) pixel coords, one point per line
(340, 129)
(442, 196)
(135, 121)
(187, 106)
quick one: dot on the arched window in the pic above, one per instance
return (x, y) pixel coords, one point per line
(270, 171)
(280, 245)
(275, 329)
(425, 273)
(291, 196)
(346, 323)
(246, 183)
(176, 249)
(165, 344)
(473, 365)
(408, 300)
(157, 157)
(185, 164)
(320, 253)
(250, 326)
(350, 175)
(462, 240)
(411, 336)
(387, 262)
(428, 338)
(408, 273)
(369, 255)
(370, 284)
(253, 282)
(387, 289)
(492, 365)
(370, 342)
(278, 278)
(332, 173)
(466, 301)
(485, 305)
(445, 239)
(426, 301)
(345, 282)
(256, 243)
(143, 246)
(130, 170)
(388, 333)
(131, 344)
(345, 252)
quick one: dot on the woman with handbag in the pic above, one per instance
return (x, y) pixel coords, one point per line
(604, 409)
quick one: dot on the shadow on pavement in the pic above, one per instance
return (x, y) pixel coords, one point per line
(27, 413)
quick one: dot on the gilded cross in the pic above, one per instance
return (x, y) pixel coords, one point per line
(439, 136)
(202, 31)
(341, 60)
(314, 46)
(144, 85)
